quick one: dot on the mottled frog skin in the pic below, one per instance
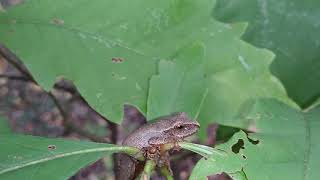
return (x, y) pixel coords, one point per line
(166, 129)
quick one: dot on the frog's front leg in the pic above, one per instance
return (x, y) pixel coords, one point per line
(162, 154)
(159, 155)
(165, 140)
(152, 152)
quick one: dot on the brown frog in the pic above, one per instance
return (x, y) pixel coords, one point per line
(150, 138)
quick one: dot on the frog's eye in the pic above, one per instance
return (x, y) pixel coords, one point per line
(182, 127)
(179, 127)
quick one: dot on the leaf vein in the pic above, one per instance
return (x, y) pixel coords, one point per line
(308, 148)
(26, 164)
(93, 36)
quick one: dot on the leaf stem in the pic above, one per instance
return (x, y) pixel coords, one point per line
(134, 152)
(203, 150)
(148, 169)
(166, 172)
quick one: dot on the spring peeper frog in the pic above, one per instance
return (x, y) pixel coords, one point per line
(150, 137)
(166, 129)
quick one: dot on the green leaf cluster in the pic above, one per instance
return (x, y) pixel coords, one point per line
(291, 29)
(150, 54)
(173, 55)
(283, 147)
(42, 158)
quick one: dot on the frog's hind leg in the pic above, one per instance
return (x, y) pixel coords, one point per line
(126, 167)
(164, 164)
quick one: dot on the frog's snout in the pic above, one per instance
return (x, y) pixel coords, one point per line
(196, 123)
(193, 123)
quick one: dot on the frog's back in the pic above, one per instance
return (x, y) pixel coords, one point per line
(140, 137)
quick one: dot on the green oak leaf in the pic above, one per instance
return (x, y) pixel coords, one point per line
(287, 142)
(284, 145)
(111, 49)
(239, 74)
(216, 93)
(44, 158)
(226, 161)
(180, 85)
(289, 28)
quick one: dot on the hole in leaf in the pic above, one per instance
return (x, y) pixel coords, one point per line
(254, 142)
(244, 157)
(236, 147)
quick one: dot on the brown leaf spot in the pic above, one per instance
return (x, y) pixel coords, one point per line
(117, 60)
(51, 147)
(57, 21)
(117, 76)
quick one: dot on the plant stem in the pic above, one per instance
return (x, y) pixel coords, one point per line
(165, 171)
(148, 169)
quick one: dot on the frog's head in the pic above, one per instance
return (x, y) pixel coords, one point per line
(182, 126)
